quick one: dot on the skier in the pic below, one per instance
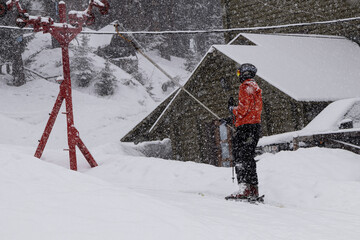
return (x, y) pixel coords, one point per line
(247, 118)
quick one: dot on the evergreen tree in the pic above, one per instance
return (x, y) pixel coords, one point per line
(192, 59)
(82, 66)
(161, 15)
(50, 6)
(107, 84)
(190, 15)
(12, 45)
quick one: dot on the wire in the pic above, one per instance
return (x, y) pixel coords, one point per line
(228, 30)
(16, 28)
(209, 30)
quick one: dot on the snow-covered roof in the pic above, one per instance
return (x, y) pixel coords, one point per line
(306, 67)
(101, 40)
(330, 118)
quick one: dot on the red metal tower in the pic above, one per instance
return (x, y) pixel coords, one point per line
(64, 33)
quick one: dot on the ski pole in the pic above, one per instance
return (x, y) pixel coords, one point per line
(233, 172)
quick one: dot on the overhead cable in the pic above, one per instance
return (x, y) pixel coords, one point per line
(227, 30)
(208, 30)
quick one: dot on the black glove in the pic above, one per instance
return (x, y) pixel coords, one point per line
(231, 105)
(227, 121)
(231, 102)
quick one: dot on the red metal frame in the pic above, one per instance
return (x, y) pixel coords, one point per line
(64, 34)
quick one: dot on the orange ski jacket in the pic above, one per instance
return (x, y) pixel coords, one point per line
(250, 104)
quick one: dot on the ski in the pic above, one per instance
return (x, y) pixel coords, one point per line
(253, 200)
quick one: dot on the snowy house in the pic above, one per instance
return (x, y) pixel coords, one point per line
(337, 126)
(115, 48)
(299, 75)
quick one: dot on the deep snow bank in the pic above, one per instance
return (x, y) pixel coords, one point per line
(314, 178)
(308, 178)
(133, 197)
(43, 201)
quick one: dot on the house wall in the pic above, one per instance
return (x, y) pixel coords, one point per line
(255, 13)
(282, 113)
(191, 128)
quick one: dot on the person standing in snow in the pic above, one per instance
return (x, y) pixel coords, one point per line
(247, 119)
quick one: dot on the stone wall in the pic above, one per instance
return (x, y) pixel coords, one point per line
(256, 13)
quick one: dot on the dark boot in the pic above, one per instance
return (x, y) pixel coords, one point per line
(254, 191)
(246, 191)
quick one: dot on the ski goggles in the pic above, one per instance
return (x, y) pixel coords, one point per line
(238, 73)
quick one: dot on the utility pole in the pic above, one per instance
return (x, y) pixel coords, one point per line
(64, 33)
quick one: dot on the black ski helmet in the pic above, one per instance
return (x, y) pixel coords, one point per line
(246, 71)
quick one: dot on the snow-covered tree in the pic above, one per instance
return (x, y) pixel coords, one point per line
(161, 15)
(107, 84)
(12, 45)
(82, 65)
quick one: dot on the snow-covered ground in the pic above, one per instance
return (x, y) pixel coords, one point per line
(310, 194)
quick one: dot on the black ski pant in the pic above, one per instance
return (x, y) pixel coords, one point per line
(244, 144)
